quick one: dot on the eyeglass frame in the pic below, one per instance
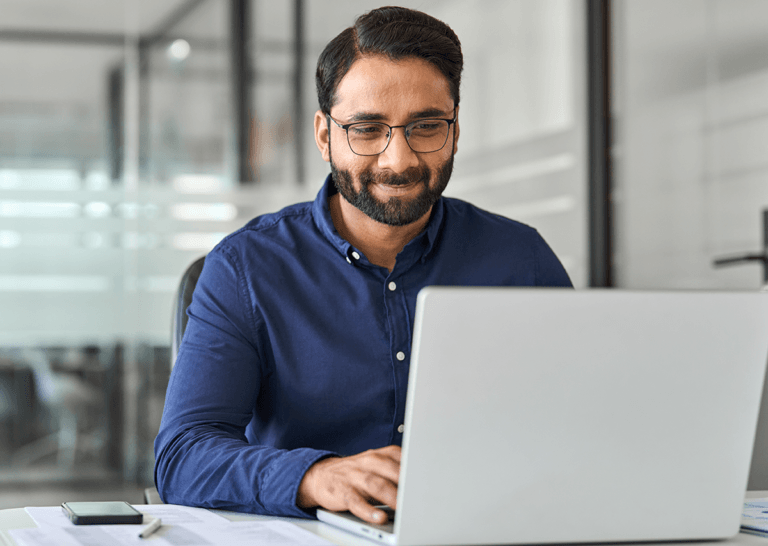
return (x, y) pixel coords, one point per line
(391, 127)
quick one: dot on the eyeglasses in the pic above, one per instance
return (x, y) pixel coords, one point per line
(372, 138)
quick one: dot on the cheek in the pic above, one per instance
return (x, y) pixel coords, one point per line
(436, 165)
(352, 168)
(360, 165)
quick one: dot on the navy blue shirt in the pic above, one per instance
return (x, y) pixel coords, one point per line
(297, 347)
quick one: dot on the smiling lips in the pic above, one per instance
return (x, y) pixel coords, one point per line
(396, 189)
(399, 185)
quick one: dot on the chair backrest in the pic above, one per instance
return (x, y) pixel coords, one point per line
(758, 474)
(181, 302)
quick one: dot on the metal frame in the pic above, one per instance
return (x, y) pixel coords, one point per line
(101, 38)
(164, 28)
(298, 89)
(115, 91)
(63, 37)
(244, 172)
(601, 273)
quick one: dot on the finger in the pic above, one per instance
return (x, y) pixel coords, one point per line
(384, 461)
(366, 511)
(394, 452)
(380, 490)
(381, 465)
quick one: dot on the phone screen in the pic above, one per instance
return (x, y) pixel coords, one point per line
(101, 513)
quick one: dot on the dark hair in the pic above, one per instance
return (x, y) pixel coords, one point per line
(394, 32)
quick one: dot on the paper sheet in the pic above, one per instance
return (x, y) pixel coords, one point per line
(755, 515)
(182, 526)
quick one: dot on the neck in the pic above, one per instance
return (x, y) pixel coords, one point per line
(379, 242)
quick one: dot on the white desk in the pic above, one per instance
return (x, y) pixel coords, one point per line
(17, 518)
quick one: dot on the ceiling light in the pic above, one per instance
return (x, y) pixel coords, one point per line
(179, 50)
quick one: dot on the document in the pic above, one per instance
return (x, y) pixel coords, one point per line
(182, 526)
(754, 517)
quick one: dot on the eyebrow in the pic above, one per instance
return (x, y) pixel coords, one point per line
(375, 116)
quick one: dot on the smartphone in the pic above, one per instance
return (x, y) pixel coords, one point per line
(101, 513)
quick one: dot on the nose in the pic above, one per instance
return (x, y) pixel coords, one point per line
(398, 157)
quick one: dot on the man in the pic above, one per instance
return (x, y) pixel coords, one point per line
(289, 388)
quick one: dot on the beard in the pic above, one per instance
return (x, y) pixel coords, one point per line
(395, 211)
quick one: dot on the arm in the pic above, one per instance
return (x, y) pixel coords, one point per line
(549, 270)
(202, 455)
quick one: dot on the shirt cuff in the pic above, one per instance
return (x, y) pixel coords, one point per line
(280, 487)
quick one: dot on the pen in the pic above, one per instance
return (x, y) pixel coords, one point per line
(151, 528)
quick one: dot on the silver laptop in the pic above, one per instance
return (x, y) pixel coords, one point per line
(546, 416)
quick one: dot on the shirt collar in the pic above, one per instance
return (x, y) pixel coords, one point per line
(321, 213)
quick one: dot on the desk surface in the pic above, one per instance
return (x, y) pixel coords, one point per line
(17, 518)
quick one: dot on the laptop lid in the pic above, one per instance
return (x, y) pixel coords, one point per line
(545, 415)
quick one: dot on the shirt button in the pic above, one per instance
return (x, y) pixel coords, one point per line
(356, 256)
(400, 355)
(392, 286)
(348, 260)
(401, 429)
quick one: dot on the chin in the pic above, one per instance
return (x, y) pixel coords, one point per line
(397, 210)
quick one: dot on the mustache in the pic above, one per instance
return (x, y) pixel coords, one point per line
(415, 174)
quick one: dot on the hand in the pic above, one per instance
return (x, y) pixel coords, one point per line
(355, 483)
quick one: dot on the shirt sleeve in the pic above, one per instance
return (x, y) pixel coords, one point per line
(203, 457)
(549, 270)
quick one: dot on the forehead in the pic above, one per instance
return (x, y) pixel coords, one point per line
(376, 84)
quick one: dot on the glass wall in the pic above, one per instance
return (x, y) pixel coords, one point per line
(117, 171)
(691, 82)
(60, 255)
(185, 101)
(113, 177)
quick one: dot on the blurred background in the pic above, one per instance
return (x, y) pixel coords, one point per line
(135, 134)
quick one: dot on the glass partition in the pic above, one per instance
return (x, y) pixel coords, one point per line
(60, 262)
(116, 172)
(690, 102)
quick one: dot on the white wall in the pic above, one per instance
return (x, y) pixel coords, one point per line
(692, 134)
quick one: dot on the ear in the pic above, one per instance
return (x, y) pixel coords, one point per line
(322, 135)
(456, 132)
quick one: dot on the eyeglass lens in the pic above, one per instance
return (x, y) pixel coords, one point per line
(371, 138)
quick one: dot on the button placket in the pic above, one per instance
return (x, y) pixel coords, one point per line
(396, 303)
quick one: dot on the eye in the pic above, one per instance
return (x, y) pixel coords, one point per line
(367, 130)
(427, 126)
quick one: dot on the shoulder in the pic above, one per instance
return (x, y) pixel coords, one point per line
(471, 219)
(275, 228)
(480, 234)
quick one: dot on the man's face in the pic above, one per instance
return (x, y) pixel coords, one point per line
(398, 186)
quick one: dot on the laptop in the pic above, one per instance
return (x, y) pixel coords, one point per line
(547, 416)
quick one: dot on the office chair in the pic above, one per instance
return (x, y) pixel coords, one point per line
(181, 302)
(758, 472)
(178, 325)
